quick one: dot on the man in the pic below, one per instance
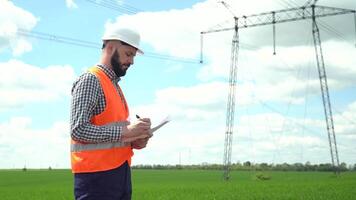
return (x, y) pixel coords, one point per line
(102, 137)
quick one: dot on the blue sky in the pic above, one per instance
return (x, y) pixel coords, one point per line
(279, 113)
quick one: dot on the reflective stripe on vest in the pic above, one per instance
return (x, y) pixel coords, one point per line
(76, 147)
(103, 156)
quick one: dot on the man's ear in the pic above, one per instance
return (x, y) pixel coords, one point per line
(111, 47)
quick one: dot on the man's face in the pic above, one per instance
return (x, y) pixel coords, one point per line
(122, 58)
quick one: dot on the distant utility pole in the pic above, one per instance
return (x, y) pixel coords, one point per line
(304, 12)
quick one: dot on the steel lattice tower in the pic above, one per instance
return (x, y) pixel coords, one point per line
(325, 94)
(230, 112)
(272, 18)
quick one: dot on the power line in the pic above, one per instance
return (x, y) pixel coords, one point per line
(56, 38)
(110, 4)
(93, 45)
(287, 4)
(125, 5)
(286, 119)
(327, 28)
(293, 94)
(113, 5)
(271, 18)
(171, 58)
(332, 31)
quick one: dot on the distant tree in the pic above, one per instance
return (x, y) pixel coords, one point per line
(250, 166)
(325, 167)
(349, 167)
(298, 167)
(24, 169)
(343, 166)
(285, 167)
(264, 166)
(247, 164)
(308, 166)
(179, 166)
(236, 166)
(49, 168)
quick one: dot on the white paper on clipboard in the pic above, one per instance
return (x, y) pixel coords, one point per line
(162, 123)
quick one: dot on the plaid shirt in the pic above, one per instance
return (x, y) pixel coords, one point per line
(88, 100)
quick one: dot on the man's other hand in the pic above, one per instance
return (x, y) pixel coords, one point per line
(139, 143)
(140, 129)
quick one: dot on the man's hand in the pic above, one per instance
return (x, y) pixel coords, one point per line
(140, 129)
(139, 143)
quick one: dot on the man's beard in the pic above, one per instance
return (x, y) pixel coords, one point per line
(116, 65)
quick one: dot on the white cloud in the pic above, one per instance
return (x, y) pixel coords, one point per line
(261, 138)
(199, 95)
(198, 111)
(196, 132)
(345, 122)
(71, 4)
(21, 144)
(22, 83)
(285, 77)
(12, 19)
(181, 28)
(174, 30)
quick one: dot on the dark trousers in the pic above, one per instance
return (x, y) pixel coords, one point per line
(114, 184)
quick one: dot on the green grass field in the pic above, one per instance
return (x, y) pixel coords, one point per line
(188, 184)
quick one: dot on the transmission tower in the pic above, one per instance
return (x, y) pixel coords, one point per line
(307, 11)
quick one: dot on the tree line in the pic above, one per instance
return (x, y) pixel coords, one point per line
(256, 166)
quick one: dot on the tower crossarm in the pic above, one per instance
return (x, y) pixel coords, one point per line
(285, 15)
(310, 2)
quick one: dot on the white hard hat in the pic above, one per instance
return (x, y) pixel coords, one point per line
(128, 36)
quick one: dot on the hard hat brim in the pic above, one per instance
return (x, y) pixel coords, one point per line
(132, 45)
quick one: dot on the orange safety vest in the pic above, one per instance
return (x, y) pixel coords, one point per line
(94, 157)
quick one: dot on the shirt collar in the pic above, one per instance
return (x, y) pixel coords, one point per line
(109, 72)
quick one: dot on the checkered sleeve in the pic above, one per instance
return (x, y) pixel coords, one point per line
(87, 99)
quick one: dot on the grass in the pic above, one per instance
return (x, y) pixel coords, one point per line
(36, 185)
(184, 184)
(188, 184)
